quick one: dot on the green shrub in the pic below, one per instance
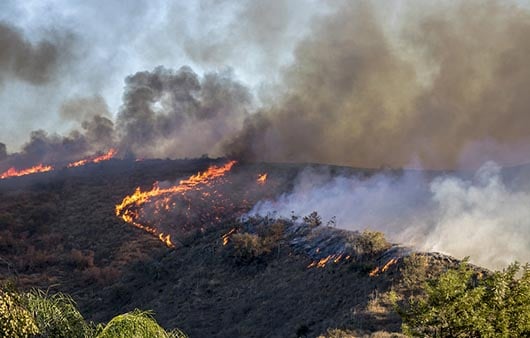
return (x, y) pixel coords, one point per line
(56, 315)
(136, 324)
(414, 271)
(37, 313)
(15, 320)
(461, 304)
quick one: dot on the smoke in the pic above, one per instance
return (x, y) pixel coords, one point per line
(19, 58)
(3, 151)
(483, 216)
(366, 92)
(179, 114)
(439, 84)
(351, 83)
(95, 133)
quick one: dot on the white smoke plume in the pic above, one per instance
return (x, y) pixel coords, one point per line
(482, 215)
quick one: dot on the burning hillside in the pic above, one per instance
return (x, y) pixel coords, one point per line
(40, 168)
(196, 203)
(13, 172)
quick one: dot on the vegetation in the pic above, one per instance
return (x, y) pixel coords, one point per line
(137, 324)
(370, 242)
(247, 247)
(56, 315)
(464, 303)
(39, 314)
(15, 320)
(313, 219)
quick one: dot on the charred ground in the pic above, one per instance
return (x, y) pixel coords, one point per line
(58, 231)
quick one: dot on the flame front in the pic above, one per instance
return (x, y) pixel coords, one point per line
(226, 237)
(321, 263)
(105, 157)
(378, 270)
(128, 209)
(12, 172)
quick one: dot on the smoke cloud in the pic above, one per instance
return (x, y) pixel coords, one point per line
(3, 151)
(366, 93)
(483, 216)
(168, 113)
(95, 134)
(19, 58)
(439, 84)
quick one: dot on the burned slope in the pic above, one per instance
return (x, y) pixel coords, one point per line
(59, 231)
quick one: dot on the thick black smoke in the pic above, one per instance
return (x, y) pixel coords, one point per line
(169, 113)
(96, 135)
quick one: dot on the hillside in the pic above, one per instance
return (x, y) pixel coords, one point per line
(58, 231)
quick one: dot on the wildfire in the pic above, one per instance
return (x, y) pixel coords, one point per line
(262, 179)
(226, 237)
(105, 157)
(166, 239)
(12, 172)
(128, 209)
(321, 263)
(378, 270)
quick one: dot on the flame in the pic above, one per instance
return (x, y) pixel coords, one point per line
(378, 270)
(226, 237)
(12, 172)
(166, 239)
(262, 179)
(128, 209)
(105, 157)
(321, 263)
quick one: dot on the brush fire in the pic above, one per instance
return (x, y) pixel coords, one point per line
(13, 172)
(200, 201)
(95, 159)
(41, 168)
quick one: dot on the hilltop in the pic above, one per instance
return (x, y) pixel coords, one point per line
(59, 232)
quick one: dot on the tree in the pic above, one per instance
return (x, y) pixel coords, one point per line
(462, 303)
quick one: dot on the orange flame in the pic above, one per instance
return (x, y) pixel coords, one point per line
(226, 237)
(12, 172)
(336, 258)
(128, 208)
(378, 270)
(262, 179)
(166, 239)
(105, 157)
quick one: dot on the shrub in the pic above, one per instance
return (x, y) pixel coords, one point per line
(247, 247)
(313, 219)
(34, 313)
(370, 242)
(137, 324)
(414, 271)
(15, 320)
(458, 304)
(81, 260)
(56, 315)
